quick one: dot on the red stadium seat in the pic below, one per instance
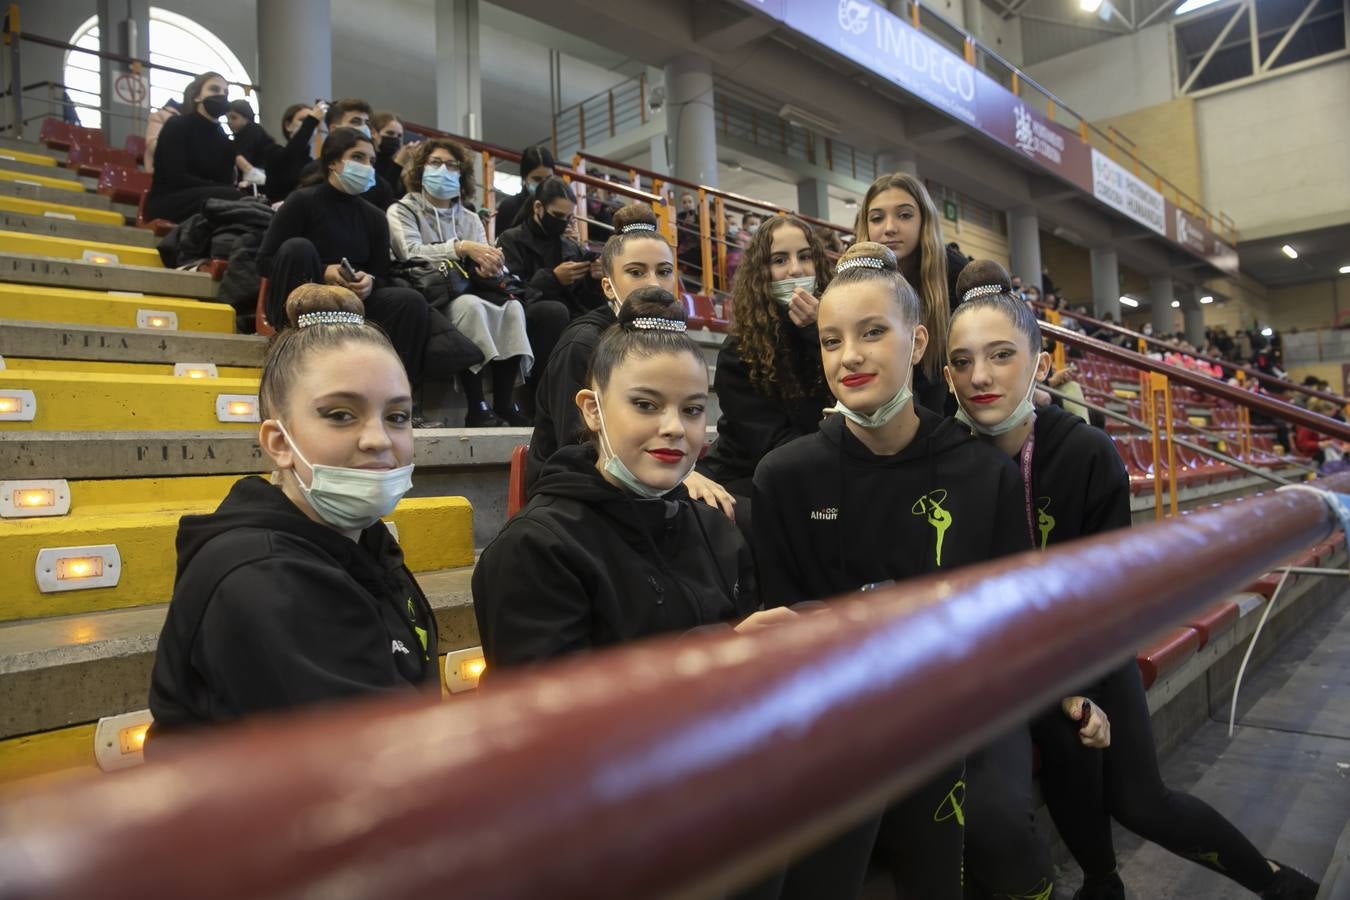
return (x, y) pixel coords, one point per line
(515, 485)
(135, 145)
(1167, 653)
(60, 135)
(215, 268)
(161, 227)
(89, 159)
(123, 184)
(260, 324)
(1214, 621)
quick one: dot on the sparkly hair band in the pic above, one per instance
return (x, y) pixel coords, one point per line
(637, 226)
(329, 317)
(650, 323)
(981, 291)
(860, 262)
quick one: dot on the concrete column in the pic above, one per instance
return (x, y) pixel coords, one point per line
(1024, 244)
(898, 160)
(691, 123)
(813, 199)
(1105, 282)
(459, 90)
(1194, 315)
(129, 26)
(295, 57)
(1161, 294)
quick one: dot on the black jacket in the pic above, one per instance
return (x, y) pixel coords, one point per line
(192, 152)
(751, 423)
(831, 517)
(510, 208)
(587, 565)
(284, 162)
(338, 224)
(254, 144)
(1079, 483)
(272, 610)
(532, 256)
(557, 421)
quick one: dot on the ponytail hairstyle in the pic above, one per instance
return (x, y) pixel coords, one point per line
(551, 188)
(338, 142)
(932, 285)
(322, 317)
(867, 262)
(652, 321)
(634, 222)
(775, 366)
(984, 284)
(536, 157)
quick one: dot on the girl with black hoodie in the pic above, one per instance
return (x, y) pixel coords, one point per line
(553, 266)
(293, 592)
(885, 490)
(1079, 487)
(610, 548)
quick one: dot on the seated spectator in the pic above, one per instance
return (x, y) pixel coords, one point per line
(293, 592)
(536, 165)
(354, 114)
(323, 225)
(194, 160)
(251, 140)
(285, 162)
(389, 132)
(553, 266)
(431, 223)
(750, 223)
(153, 126)
(687, 248)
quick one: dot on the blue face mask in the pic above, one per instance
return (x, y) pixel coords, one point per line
(620, 471)
(531, 187)
(441, 182)
(356, 178)
(364, 129)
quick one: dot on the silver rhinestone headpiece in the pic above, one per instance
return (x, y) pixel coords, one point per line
(637, 226)
(329, 317)
(860, 262)
(650, 323)
(981, 291)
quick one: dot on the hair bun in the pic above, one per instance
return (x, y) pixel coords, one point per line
(981, 277)
(652, 305)
(634, 217)
(311, 299)
(869, 255)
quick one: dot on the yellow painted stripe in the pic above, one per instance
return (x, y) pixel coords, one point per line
(436, 533)
(95, 497)
(32, 207)
(86, 307)
(36, 159)
(73, 248)
(101, 367)
(74, 402)
(60, 753)
(59, 184)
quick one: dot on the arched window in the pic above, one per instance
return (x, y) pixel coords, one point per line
(175, 40)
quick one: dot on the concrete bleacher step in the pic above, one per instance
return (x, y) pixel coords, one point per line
(26, 165)
(32, 207)
(52, 341)
(37, 224)
(102, 252)
(160, 314)
(54, 180)
(85, 402)
(435, 533)
(29, 188)
(31, 151)
(23, 268)
(113, 367)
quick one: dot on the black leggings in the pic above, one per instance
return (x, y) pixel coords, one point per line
(1005, 857)
(1085, 789)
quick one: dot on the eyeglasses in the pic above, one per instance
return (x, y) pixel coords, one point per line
(439, 163)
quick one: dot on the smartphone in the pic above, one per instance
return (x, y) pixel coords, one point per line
(1085, 714)
(346, 271)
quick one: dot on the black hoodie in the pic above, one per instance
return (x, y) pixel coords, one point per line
(832, 517)
(1079, 482)
(533, 256)
(272, 610)
(586, 564)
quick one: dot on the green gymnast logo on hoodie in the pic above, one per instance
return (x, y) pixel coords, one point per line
(1044, 521)
(930, 505)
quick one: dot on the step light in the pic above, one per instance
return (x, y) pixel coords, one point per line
(69, 217)
(1345, 270)
(1176, 304)
(119, 741)
(1206, 299)
(195, 370)
(99, 258)
(17, 405)
(237, 408)
(157, 318)
(1289, 251)
(29, 499)
(77, 568)
(463, 668)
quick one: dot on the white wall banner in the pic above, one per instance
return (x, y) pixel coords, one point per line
(1125, 192)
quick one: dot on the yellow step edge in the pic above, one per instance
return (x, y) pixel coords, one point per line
(35, 159)
(102, 367)
(77, 306)
(73, 248)
(48, 755)
(31, 207)
(75, 402)
(46, 181)
(104, 494)
(435, 533)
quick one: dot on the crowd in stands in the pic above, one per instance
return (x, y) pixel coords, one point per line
(878, 423)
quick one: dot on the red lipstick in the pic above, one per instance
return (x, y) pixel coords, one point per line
(857, 379)
(984, 399)
(667, 455)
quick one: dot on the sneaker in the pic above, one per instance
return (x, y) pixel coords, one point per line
(1289, 884)
(483, 417)
(514, 417)
(419, 422)
(1108, 887)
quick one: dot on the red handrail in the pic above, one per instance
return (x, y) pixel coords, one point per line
(676, 767)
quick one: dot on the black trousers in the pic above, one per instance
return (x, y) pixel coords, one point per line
(544, 324)
(401, 312)
(1005, 858)
(1085, 789)
(179, 205)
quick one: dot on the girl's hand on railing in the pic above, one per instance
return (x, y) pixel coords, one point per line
(1095, 732)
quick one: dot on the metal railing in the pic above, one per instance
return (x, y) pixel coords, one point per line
(679, 767)
(600, 117)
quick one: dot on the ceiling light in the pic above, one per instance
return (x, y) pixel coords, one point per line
(1267, 331)
(804, 119)
(1290, 251)
(1206, 299)
(1089, 5)
(1176, 304)
(1192, 6)
(1345, 270)
(1129, 301)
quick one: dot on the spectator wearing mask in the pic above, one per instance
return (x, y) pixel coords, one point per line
(553, 266)
(194, 160)
(431, 223)
(357, 115)
(389, 135)
(153, 126)
(536, 165)
(284, 163)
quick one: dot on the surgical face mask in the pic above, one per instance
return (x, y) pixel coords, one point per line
(356, 178)
(1019, 414)
(886, 411)
(620, 471)
(364, 129)
(351, 499)
(441, 182)
(782, 290)
(531, 187)
(216, 105)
